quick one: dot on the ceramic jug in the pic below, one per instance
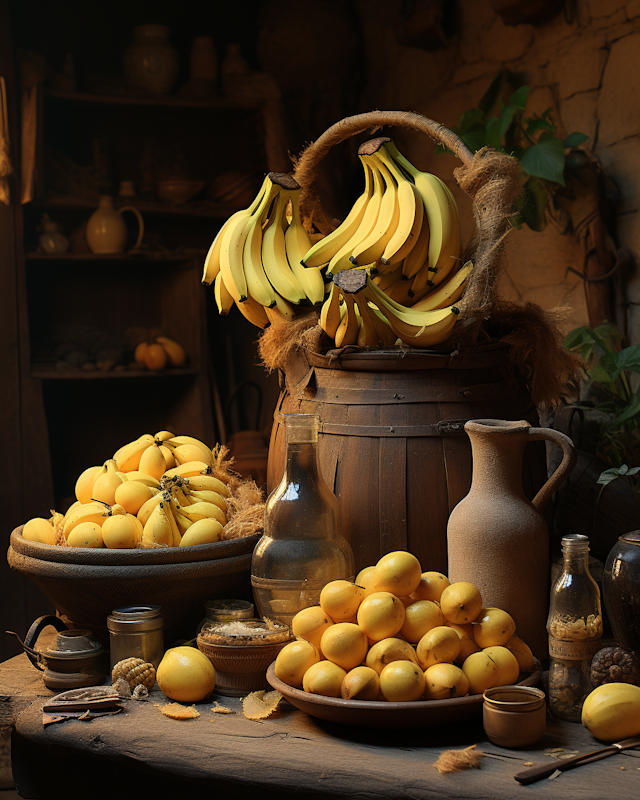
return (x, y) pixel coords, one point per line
(496, 538)
(107, 231)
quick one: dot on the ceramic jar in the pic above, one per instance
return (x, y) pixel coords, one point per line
(621, 590)
(150, 63)
(497, 538)
(107, 231)
(514, 716)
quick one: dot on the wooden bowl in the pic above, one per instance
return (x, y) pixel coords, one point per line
(380, 714)
(86, 584)
(178, 191)
(240, 669)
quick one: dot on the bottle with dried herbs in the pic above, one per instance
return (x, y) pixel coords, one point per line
(574, 626)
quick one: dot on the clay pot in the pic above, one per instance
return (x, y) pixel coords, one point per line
(496, 538)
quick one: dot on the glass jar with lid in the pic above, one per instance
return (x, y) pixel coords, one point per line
(574, 626)
(302, 548)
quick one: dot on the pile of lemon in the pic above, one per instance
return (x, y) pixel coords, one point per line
(400, 634)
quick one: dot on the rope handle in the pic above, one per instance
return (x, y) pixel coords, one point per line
(306, 168)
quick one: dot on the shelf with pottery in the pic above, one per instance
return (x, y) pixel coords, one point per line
(196, 208)
(187, 260)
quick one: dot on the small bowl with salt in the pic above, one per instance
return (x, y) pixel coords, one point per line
(241, 651)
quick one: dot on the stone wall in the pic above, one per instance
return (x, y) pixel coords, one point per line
(587, 70)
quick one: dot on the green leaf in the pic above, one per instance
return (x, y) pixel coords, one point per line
(545, 159)
(471, 118)
(599, 374)
(494, 137)
(629, 359)
(490, 97)
(537, 124)
(535, 202)
(632, 410)
(609, 363)
(578, 337)
(574, 139)
(608, 475)
(607, 330)
(519, 98)
(475, 140)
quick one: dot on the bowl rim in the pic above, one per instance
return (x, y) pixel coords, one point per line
(384, 707)
(128, 557)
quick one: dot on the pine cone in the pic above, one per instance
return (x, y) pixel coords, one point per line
(614, 665)
(135, 671)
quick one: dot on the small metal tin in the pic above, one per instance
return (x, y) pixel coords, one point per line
(514, 716)
(136, 632)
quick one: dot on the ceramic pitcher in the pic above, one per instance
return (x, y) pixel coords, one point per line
(496, 538)
(107, 231)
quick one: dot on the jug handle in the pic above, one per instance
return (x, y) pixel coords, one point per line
(140, 223)
(569, 457)
(35, 630)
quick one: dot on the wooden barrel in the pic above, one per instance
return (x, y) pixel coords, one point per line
(392, 445)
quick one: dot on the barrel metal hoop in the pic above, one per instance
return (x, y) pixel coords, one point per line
(445, 427)
(430, 394)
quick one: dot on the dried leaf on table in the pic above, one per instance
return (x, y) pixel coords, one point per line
(177, 711)
(457, 760)
(261, 704)
(218, 709)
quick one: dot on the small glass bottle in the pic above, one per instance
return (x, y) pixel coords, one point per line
(574, 626)
(301, 549)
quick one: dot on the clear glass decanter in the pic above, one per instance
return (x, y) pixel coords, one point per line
(302, 548)
(574, 626)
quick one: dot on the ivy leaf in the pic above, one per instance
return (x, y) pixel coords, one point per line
(578, 337)
(574, 139)
(609, 475)
(629, 359)
(519, 98)
(537, 124)
(632, 410)
(609, 362)
(545, 159)
(474, 140)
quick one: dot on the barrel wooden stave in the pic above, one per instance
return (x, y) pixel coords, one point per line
(396, 491)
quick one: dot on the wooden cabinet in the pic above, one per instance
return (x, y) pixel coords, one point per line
(86, 311)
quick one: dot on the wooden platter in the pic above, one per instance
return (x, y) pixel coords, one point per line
(380, 714)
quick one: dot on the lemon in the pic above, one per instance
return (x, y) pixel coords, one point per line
(522, 652)
(204, 531)
(119, 531)
(507, 663)
(86, 534)
(341, 599)
(345, 644)
(492, 627)
(39, 529)
(186, 675)
(443, 681)
(380, 615)
(481, 671)
(294, 660)
(431, 586)
(310, 624)
(361, 683)
(398, 572)
(324, 678)
(438, 644)
(402, 681)
(461, 602)
(419, 617)
(365, 579)
(467, 642)
(387, 651)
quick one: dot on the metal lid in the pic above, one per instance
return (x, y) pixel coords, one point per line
(633, 537)
(131, 619)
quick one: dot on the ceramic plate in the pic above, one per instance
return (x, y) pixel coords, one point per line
(379, 714)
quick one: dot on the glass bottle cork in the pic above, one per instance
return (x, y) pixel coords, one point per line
(302, 548)
(574, 626)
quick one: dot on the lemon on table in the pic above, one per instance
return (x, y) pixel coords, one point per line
(186, 675)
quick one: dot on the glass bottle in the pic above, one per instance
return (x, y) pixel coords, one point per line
(301, 549)
(574, 626)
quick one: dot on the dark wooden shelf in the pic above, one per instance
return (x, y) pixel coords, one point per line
(48, 373)
(203, 208)
(131, 258)
(165, 102)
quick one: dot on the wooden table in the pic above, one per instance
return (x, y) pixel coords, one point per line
(140, 753)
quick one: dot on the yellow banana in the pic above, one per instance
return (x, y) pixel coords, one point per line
(143, 477)
(282, 311)
(182, 522)
(202, 510)
(254, 312)
(418, 256)
(368, 333)
(330, 312)
(169, 460)
(182, 439)
(400, 292)
(372, 247)
(442, 216)
(297, 244)
(206, 496)
(86, 512)
(85, 482)
(385, 334)
(175, 352)
(152, 462)
(341, 259)
(162, 436)
(274, 254)
(223, 297)
(323, 251)
(128, 457)
(349, 326)
(144, 512)
(207, 483)
(257, 282)
(177, 533)
(448, 292)
(385, 279)
(158, 528)
(411, 214)
(190, 469)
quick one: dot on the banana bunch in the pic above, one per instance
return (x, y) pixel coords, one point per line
(151, 493)
(255, 260)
